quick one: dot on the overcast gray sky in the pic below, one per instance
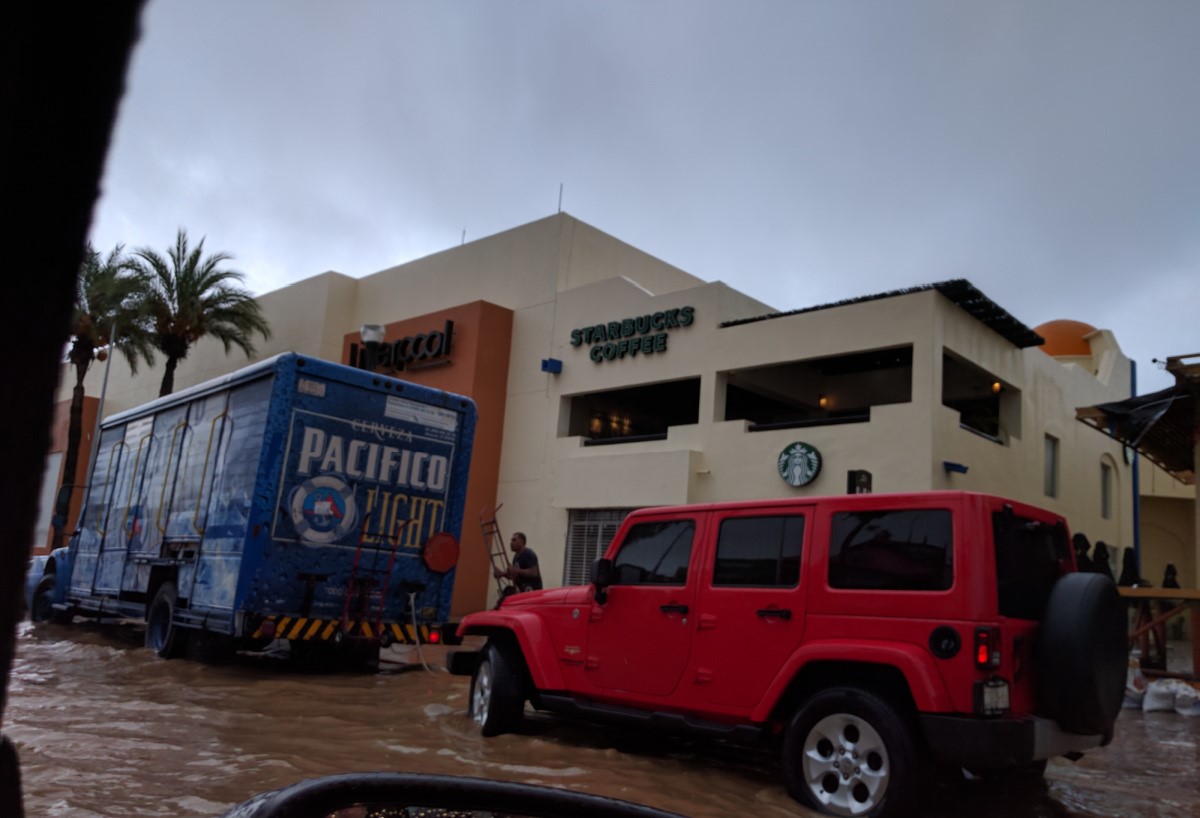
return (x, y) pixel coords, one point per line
(801, 151)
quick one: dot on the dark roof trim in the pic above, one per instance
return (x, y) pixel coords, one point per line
(1161, 426)
(959, 290)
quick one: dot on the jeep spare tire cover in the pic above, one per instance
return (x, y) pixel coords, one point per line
(1082, 654)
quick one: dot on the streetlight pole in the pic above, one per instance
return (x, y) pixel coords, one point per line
(112, 348)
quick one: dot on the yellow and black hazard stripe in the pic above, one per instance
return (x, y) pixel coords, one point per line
(305, 629)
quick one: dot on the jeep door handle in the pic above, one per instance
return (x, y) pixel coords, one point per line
(782, 613)
(679, 609)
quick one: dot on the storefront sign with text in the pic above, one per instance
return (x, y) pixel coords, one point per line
(629, 337)
(410, 352)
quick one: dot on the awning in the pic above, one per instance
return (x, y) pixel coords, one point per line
(1161, 426)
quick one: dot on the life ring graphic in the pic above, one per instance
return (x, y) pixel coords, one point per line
(323, 509)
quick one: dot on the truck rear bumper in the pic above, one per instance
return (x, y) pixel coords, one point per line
(995, 743)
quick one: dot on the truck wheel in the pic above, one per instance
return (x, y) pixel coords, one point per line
(497, 691)
(162, 636)
(848, 752)
(41, 610)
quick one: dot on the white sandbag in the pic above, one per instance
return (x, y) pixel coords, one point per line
(1160, 695)
(1187, 701)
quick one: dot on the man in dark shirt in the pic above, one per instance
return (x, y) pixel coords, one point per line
(524, 569)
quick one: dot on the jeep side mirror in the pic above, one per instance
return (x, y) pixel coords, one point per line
(602, 570)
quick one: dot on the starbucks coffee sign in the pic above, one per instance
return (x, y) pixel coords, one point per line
(799, 464)
(630, 337)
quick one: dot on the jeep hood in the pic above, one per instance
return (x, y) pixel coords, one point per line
(550, 596)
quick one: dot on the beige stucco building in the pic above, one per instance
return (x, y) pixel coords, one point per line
(609, 380)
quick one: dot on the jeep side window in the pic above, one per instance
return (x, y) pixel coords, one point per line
(901, 550)
(655, 554)
(759, 552)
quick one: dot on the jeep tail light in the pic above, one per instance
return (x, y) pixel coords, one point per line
(987, 647)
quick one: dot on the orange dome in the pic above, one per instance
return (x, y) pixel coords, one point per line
(1065, 337)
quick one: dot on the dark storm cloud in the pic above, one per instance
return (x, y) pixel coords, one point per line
(800, 151)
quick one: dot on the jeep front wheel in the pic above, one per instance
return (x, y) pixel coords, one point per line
(497, 694)
(848, 752)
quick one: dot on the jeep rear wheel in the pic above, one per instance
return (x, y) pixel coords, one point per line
(497, 691)
(848, 752)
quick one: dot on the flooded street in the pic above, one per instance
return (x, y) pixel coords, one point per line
(105, 728)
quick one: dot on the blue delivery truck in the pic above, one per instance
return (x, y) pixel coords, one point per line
(294, 499)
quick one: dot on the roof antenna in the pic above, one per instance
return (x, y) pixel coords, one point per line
(464, 238)
(560, 188)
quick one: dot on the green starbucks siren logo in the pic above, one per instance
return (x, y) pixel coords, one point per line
(799, 464)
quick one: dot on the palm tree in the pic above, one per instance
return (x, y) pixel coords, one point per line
(190, 296)
(109, 297)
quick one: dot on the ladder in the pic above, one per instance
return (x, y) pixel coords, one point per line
(497, 550)
(363, 582)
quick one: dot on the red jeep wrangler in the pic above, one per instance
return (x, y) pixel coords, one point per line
(870, 634)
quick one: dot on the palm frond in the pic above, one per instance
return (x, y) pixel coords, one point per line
(193, 295)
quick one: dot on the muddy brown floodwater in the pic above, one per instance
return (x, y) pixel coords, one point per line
(105, 728)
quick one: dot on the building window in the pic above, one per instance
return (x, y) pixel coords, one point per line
(633, 414)
(761, 552)
(1051, 474)
(901, 550)
(1106, 481)
(589, 531)
(986, 405)
(818, 391)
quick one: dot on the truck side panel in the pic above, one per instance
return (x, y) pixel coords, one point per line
(96, 512)
(159, 483)
(227, 515)
(122, 524)
(148, 513)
